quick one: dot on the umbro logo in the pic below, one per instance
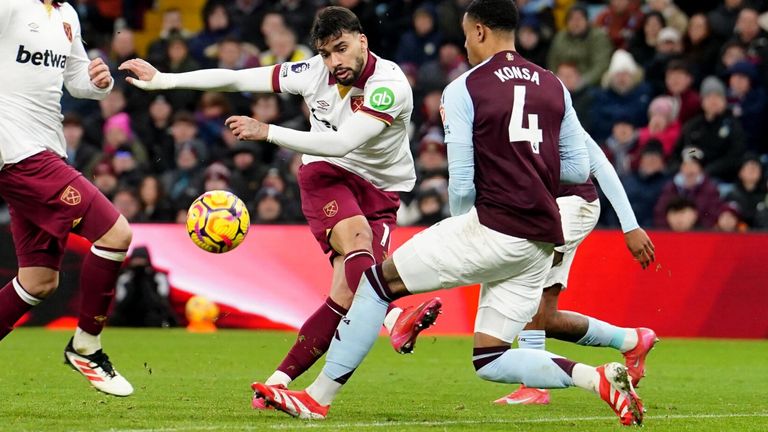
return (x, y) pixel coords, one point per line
(323, 105)
(33, 27)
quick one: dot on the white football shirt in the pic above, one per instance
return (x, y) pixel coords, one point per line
(40, 49)
(382, 91)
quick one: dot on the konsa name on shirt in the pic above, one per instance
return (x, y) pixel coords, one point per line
(514, 72)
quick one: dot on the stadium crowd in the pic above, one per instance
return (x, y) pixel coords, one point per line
(674, 93)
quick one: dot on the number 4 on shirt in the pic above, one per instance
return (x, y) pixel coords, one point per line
(517, 132)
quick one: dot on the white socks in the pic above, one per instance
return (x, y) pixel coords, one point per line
(279, 377)
(391, 318)
(323, 390)
(586, 377)
(86, 343)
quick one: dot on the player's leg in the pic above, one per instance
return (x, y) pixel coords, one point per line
(39, 255)
(110, 235)
(316, 333)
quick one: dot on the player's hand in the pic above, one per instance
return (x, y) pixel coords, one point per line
(247, 128)
(99, 74)
(148, 78)
(641, 246)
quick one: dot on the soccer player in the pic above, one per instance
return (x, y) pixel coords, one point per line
(512, 136)
(41, 48)
(579, 211)
(356, 160)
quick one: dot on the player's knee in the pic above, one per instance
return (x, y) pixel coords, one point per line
(343, 298)
(119, 236)
(42, 286)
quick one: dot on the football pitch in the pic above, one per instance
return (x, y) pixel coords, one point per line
(200, 382)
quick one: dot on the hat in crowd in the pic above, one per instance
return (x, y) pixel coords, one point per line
(245, 147)
(732, 207)
(119, 121)
(692, 154)
(184, 117)
(743, 68)
(653, 146)
(73, 119)
(669, 34)
(622, 61)
(433, 141)
(712, 85)
(124, 151)
(103, 168)
(268, 192)
(663, 105)
(217, 171)
(680, 65)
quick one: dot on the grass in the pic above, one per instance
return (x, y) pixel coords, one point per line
(194, 382)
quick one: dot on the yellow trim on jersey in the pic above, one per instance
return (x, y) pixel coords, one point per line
(343, 90)
(377, 118)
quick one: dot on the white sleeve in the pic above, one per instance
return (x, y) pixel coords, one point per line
(76, 78)
(386, 99)
(258, 80)
(353, 133)
(293, 77)
(609, 182)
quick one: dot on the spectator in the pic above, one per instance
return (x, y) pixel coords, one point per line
(142, 294)
(432, 156)
(746, 100)
(679, 85)
(662, 125)
(127, 203)
(581, 94)
(438, 73)
(702, 49)
(118, 133)
(419, 45)
(530, 43)
(298, 14)
(675, 17)
(183, 183)
(588, 48)
(214, 109)
(112, 104)
(723, 19)
(693, 184)
(624, 95)
(429, 119)
(681, 215)
(217, 26)
(283, 48)
(247, 16)
(538, 13)
(620, 146)
(732, 52)
(716, 133)
(247, 172)
(750, 189)
(431, 207)
(154, 205)
(730, 219)
(749, 34)
(268, 207)
(668, 48)
(184, 131)
(126, 168)
(644, 187)
(232, 54)
(216, 177)
(172, 26)
(620, 20)
(642, 46)
(155, 129)
(81, 155)
(104, 178)
(272, 22)
(178, 60)
(449, 16)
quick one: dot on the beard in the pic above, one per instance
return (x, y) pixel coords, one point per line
(350, 75)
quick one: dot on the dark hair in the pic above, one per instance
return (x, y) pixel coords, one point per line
(495, 14)
(331, 22)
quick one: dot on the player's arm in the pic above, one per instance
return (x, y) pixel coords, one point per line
(353, 133)
(85, 78)
(574, 157)
(638, 242)
(458, 113)
(258, 79)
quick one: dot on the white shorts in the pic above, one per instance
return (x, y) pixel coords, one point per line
(579, 218)
(460, 251)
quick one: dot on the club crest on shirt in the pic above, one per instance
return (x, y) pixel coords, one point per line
(68, 31)
(356, 102)
(71, 196)
(331, 209)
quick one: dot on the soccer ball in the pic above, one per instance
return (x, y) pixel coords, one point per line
(199, 308)
(217, 221)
